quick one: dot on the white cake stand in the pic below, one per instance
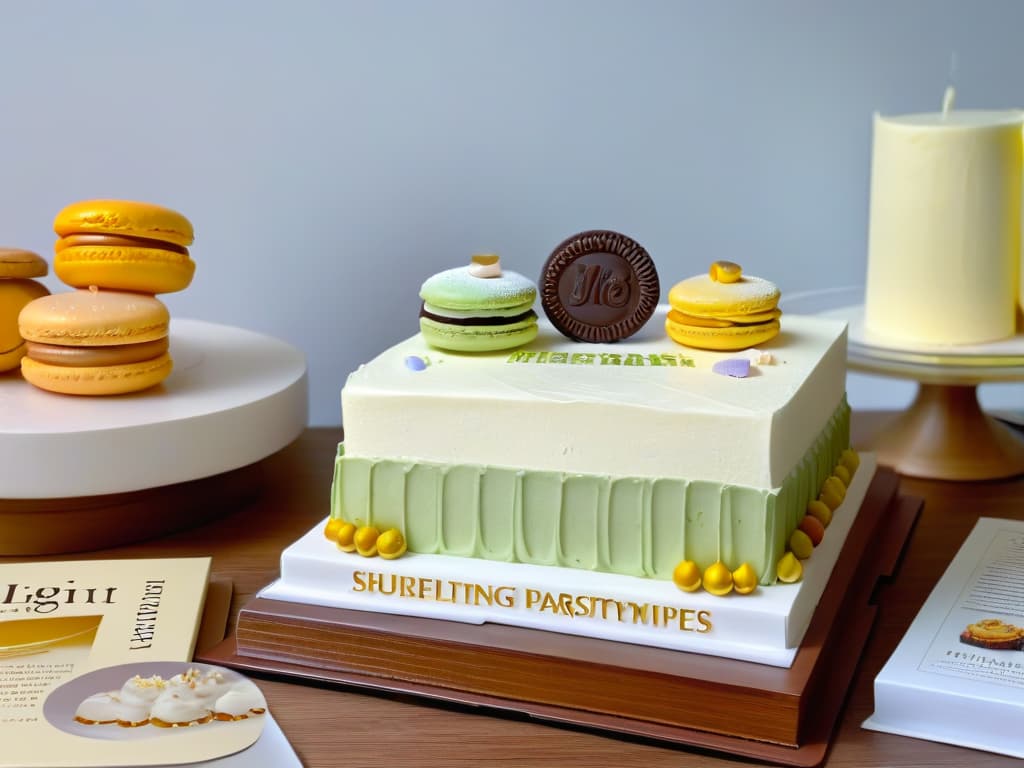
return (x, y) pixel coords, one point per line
(233, 398)
(944, 434)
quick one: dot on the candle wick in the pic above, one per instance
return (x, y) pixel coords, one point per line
(947, 100)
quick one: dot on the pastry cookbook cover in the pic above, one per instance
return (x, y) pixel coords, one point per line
(958, 674)
(60, 621)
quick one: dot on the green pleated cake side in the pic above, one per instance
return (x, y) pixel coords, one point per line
(626, 525)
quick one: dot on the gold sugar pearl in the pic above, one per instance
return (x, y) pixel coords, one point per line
(333, 526)
(686, 576)
(820, 510)
(391, 544)
(725, 272)
(366, 540)
(744, 579)
(843, 474)
(346, 540)
(789, 569)
(800, 544)
(718, 579)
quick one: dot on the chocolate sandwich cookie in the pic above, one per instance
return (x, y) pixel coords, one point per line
(478, 308)
(599, 286)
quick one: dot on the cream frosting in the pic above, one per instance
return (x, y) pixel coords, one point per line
(643, 407)
(240, 701)
(191, 697)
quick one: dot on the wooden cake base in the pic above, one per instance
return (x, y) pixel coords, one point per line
(783, 715)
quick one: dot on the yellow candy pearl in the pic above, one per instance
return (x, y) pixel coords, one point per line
(366, 540)
(725, 272)
(718, 579)
(789, 569)
(843, 474)
(833, 492)
(800, 544)
(391, 544)
(744, 579)
(333, 526)
(686, 576)
(850, 459)
(820, 510)
(346, 540)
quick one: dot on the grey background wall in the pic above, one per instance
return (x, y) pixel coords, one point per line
(334, 154)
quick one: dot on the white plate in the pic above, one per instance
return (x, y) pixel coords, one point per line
(233, 398)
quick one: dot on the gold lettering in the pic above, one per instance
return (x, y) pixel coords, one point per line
(408, 584)
(532, 597)
(358, 584)
(640, 612)
(548, 603)
(704, 619)
(505, 596)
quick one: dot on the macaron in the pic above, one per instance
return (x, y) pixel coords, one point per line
(95, 342)
(17, 288)
(723, 310)
(478, 308)
(123, 245)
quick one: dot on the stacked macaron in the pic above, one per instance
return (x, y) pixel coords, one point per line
(110, 335)
(17, 288)
(723, 310)
(478, 308)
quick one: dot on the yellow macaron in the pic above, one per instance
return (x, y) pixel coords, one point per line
(95, 342)
(723, 310)
(17, 288)
(123, 245)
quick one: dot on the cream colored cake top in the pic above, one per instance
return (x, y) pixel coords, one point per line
(643, 407)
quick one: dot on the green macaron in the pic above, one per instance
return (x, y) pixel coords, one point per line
(478, 308)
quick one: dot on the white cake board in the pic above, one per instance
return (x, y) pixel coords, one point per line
(764, 627)
(233, 398)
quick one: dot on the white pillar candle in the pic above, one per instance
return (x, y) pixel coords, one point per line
(944, 237)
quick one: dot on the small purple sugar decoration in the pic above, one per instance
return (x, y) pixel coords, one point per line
(415, 363)
(737, 367)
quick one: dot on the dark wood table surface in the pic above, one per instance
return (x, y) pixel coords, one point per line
(349, 727)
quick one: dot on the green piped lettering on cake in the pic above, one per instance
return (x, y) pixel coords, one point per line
(631, 360)
(623, 525)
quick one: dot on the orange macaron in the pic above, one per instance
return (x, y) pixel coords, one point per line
(123, 245)
(95, 342)
(18, 267)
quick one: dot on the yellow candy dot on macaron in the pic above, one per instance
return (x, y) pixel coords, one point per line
(718, 579)
(725, 272)
(800, 544)
(391, 544)
(686, 576)
(346, 537)
(789, 569)
(843, 474)
(333, 526)
(744, 579)
(366, 540)
(819, 509)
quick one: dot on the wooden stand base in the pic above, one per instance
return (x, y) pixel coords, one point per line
(946, 436)
(81, 524)
(767, 713)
